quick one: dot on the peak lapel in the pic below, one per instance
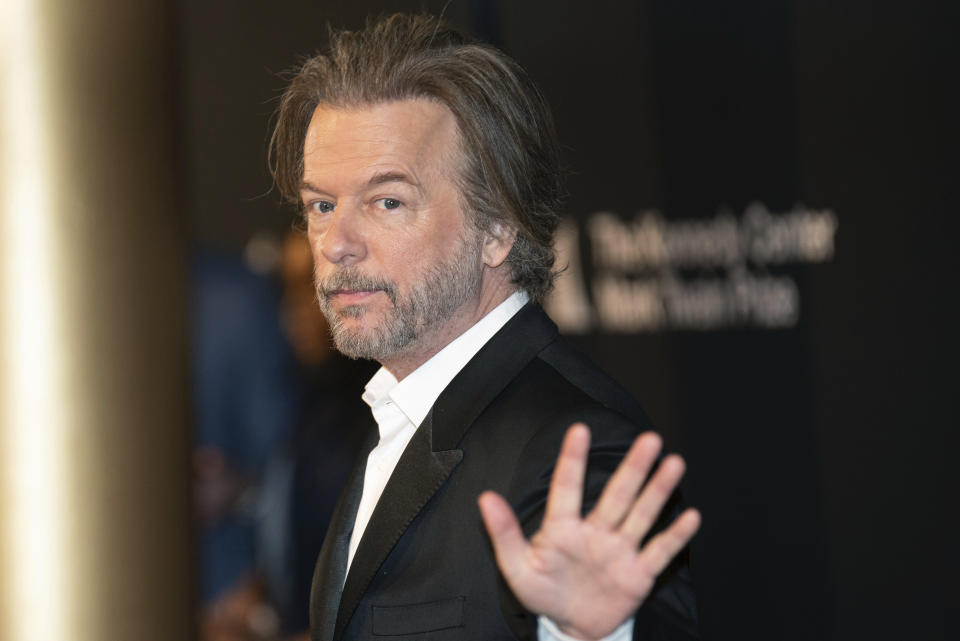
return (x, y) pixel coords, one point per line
(489, 372)
(419, 474)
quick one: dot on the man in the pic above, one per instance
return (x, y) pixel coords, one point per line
(426, 168)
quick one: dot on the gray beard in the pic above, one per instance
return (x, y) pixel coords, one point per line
(430, 303)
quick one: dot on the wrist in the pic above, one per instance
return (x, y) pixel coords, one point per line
(554, 631)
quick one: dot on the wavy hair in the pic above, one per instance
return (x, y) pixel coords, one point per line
(510, 170)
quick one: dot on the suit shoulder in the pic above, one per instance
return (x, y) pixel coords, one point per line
(572, 370)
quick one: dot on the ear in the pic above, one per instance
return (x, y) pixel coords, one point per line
(497, 243)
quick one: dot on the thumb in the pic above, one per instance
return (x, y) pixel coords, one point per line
(504, 530)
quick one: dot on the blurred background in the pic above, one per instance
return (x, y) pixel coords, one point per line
(758, 240)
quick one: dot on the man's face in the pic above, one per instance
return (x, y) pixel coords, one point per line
(395, 258)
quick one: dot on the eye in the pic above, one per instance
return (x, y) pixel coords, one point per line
(320, 207)
(388, 203)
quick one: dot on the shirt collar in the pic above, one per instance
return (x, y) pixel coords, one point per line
(417, 393)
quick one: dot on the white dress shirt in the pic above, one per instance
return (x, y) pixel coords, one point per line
(400, 406)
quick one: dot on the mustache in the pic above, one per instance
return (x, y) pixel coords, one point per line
(353, 278)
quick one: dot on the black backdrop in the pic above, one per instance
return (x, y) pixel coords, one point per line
(818, 450)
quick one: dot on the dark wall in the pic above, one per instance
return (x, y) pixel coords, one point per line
(817, 447)
(233, 60)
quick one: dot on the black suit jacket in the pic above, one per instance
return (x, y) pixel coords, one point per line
(425, 568)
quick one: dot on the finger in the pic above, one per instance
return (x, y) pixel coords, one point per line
(621, 491)
(504, 530)
(655, 495)
(566, 486)
(661, 549)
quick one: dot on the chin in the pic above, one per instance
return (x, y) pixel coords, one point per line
(361, 338)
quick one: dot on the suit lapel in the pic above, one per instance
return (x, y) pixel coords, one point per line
(489, 372)
(418, 475)
(431, 455)
(332, 560)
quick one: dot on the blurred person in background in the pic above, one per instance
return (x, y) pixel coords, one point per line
(244, 407)
(303, 473)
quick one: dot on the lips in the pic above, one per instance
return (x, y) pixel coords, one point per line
(351, 296)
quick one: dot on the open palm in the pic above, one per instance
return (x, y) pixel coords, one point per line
(589, 574)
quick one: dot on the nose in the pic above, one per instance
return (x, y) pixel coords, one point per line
(342, 240)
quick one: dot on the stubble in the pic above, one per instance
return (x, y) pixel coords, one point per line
(432, 301)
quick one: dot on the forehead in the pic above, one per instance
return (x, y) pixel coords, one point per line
(417, 136)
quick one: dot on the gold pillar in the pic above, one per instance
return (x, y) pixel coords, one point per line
(95, 519)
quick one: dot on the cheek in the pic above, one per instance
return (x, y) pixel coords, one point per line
(321, 266)
(408, 257)
(401, 263)
(315, 239)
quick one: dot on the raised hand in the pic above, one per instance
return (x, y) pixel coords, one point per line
(589, 574)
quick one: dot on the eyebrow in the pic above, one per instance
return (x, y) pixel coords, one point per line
(376, 179)
(392, 177)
